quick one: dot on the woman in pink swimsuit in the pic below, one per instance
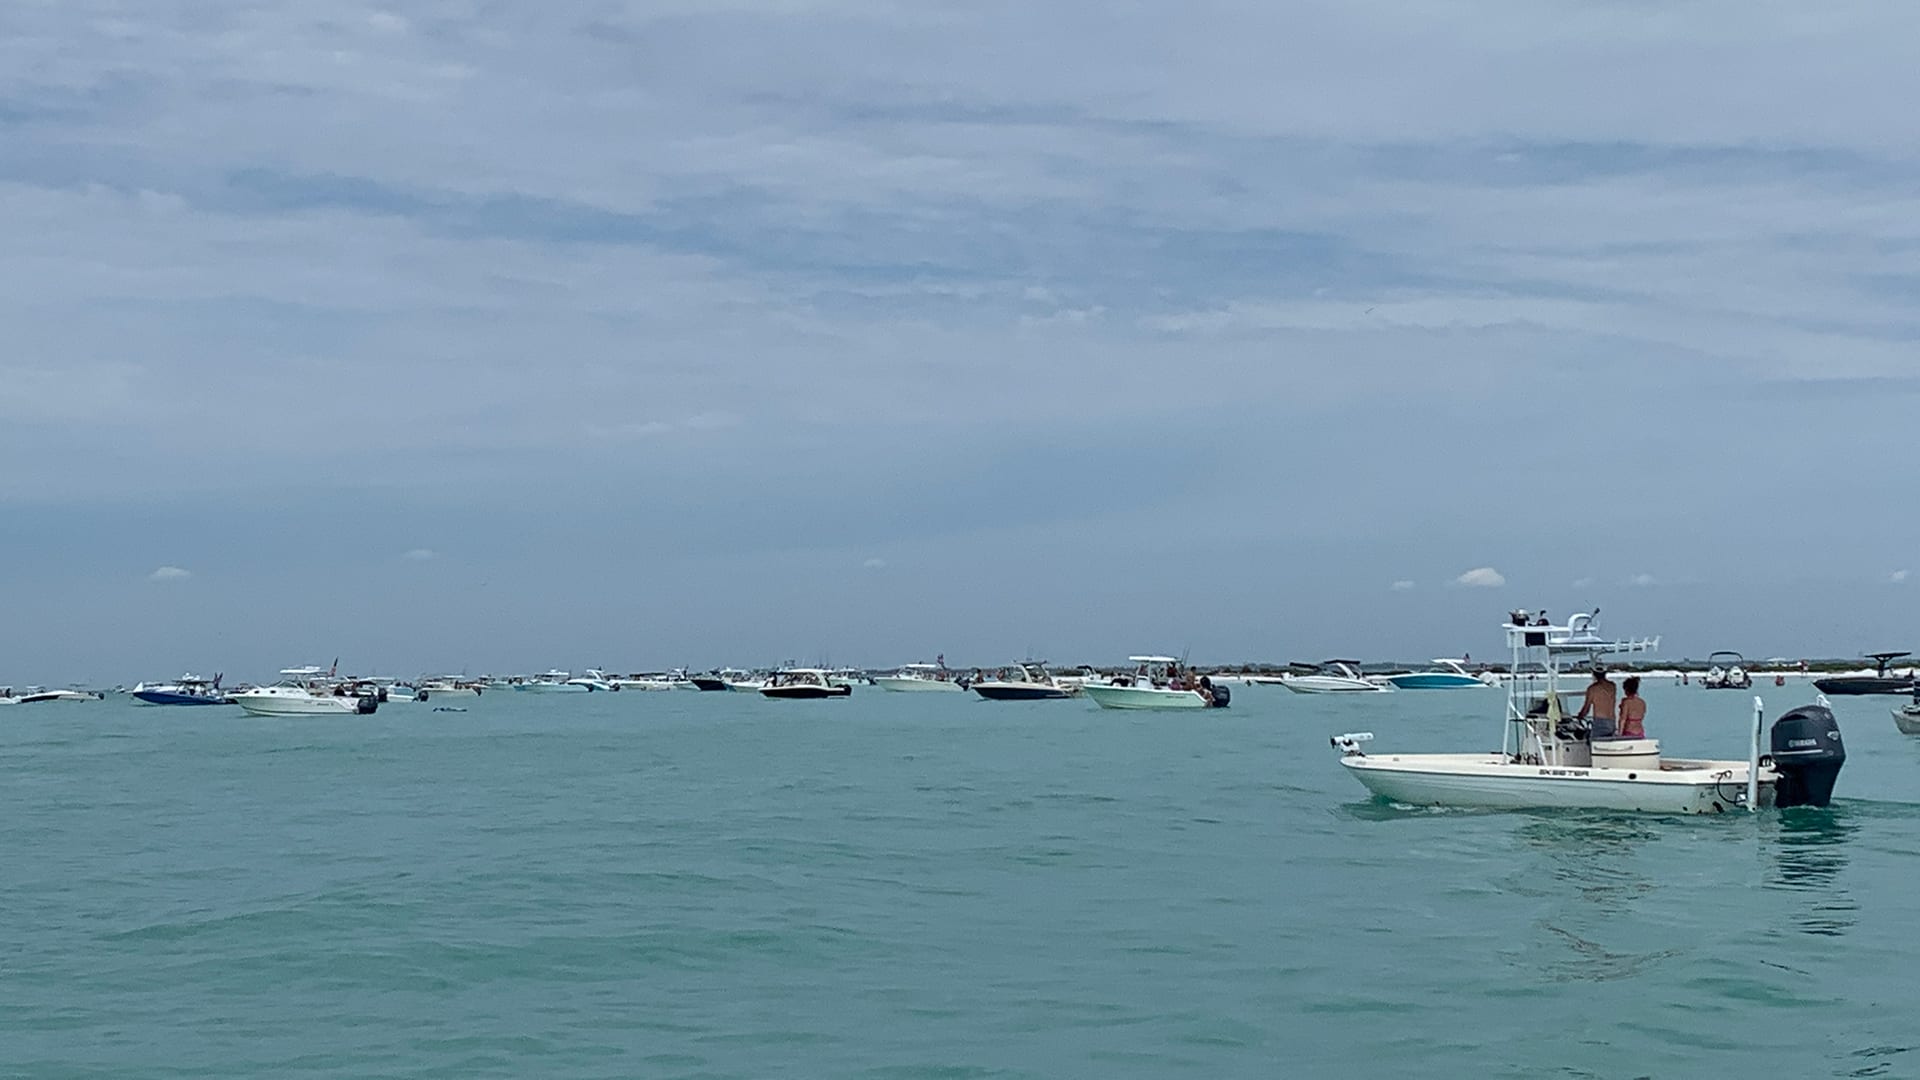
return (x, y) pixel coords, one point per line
(1633, 710)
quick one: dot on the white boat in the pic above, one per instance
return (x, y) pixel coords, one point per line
(1157, 682)
(804, 683)
(848, 677)
(593, 680)
(36, 694)
(1907, 719)
(304, 692)
(1726, 671)
(921, 678)
(1028, 680)
(446, 687)
(1446, 675)
(741, 681)
(1547, 759)
(553, 682)
(1334, 677)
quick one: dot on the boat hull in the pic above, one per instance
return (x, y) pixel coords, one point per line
(1327, 684)
(701, 682)
(1427, 680)
(1907, 719)
(1144, 697)
(430, 693)
(291, 705)
(806, 692)
(172, 697)
(917, 686)
(1491, 782)
(1021, 692)
(1858, 685)
(552, 688)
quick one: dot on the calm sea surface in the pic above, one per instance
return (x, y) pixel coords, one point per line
(895, 885)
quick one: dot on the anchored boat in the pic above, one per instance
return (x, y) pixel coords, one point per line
(1549, 759)
(1157, 682)
(1446, 675)
(1028, 680)
(921, 678)
(1878, 683)
(804, 683)
(1333, 677)
(1726, 670)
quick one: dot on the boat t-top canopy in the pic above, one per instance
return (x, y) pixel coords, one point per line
(920, 667)
(1579, 635)
(302, 672)
(1153, 659)
(1882, 659)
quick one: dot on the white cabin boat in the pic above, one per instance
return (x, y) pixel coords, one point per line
(308, 691)
(1547, 758)
(1157, 682)
(553, 682)
(1335, 677)
(593, 680)
(921, 678)
(1445, 675)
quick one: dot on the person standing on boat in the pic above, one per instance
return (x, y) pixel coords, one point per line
(1633, 710)
(1598, 709)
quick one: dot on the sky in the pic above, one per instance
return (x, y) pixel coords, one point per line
(468, 335)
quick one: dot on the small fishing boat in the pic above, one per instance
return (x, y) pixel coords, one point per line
(1157, 682)
(1446, 675)
(1548, 759)
(1878, 683)
(1726, 670)
(921, 678)
(1028, 680)
(189, 689)
(1907, 719)
(1334, 677)
(804, 683)
(721, 680)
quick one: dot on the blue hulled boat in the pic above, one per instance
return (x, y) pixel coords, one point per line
(189, 690)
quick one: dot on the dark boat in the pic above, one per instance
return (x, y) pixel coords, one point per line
(1881, 683)
(190, 690)
(1028, 680)
(709, 682)
(804, 683)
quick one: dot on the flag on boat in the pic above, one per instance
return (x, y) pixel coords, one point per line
(335, 669)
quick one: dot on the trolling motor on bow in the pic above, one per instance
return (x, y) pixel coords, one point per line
(1808, 754)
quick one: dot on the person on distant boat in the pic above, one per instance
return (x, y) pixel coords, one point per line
(1598, 708)
(1633, 710)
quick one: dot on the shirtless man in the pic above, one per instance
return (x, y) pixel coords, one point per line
(1598, 709)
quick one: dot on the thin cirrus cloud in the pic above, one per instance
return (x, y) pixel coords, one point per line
(1403, 585)
(170, 573)
(1898, 577)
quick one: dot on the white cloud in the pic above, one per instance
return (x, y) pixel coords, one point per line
(1483, 577)
(875, 563)
(1641, 581)
(1583, 583)
(1402, 585)
(170, 573)
(421, 554)
(1898, 577)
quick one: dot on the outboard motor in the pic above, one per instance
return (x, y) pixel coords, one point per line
(1807, 753)
(1221, 696)
(365, 704)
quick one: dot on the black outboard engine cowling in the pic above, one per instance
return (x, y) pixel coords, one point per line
(1222, 697)
(1807, 753)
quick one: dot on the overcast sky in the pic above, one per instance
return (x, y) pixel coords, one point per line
(499, 336)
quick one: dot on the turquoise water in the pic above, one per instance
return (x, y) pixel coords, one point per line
(707, 885)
